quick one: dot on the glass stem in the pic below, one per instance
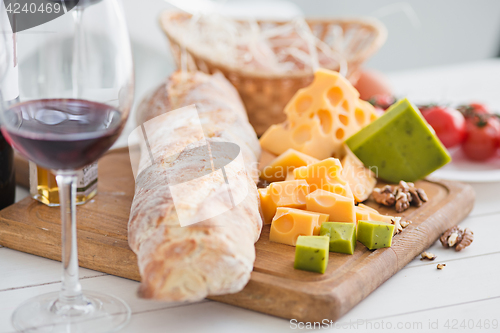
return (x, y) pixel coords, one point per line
(71, 289)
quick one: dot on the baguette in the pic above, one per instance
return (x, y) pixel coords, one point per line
(216, 255)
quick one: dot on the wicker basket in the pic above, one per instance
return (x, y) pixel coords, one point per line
(265, 94)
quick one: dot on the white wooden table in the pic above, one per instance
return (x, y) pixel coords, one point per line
(418, 298)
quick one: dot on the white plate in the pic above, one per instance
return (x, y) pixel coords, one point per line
(462, 169)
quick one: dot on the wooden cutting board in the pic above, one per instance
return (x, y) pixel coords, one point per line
(275, 287)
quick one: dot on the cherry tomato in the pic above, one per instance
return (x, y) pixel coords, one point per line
(448, 123)
(482, 138)
(470, 110)
(382, 101)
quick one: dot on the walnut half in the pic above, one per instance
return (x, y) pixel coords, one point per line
(428, 256)
(457, 237)
(467, 239)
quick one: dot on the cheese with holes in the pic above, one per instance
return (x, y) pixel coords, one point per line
(290, 223)
(282, 194)
(339, 208)
(283, 165)
(325, 175)
(361, 180)
(320, 118)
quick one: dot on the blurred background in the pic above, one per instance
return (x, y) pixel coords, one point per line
(421, 33)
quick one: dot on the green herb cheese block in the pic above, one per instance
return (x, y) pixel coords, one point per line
(375, 235)
(342, 236)
(311, 253)
(399, 145)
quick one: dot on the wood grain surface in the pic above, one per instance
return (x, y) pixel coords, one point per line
(275, 287)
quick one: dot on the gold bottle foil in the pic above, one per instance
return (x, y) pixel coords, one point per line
(43, 185)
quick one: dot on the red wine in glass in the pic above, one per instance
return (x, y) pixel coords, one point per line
(62, 134)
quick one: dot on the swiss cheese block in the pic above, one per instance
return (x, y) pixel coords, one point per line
(325, 175)
(283, 165)
(339, 208)
(290, 223)
(282, 194)
(320, 118)
(361, 180)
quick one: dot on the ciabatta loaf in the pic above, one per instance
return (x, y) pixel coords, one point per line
(214, 256)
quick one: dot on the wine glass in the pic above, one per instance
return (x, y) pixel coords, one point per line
(76, 89)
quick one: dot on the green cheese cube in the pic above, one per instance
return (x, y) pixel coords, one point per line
(311, 253)
(399, 145)
(342, 236)
(375, 235)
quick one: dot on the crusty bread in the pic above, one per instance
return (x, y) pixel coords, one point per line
(215, 256)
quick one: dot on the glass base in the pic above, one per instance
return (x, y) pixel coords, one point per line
(94, 312)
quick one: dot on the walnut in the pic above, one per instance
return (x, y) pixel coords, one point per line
(403, 200)
(383, 197)
(422, 195)
(428, 256)
(467, 239)
(415, 198)
(404, 224)
(441, 266)
(404, 186)
(401, 196)
(457, 237)
(454, 238)
(397, 225)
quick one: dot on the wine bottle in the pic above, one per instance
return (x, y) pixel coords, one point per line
(7, 179)
(43, 185)
(10, 94)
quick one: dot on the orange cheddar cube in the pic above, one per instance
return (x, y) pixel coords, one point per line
(267, 205)
(282, 194)
(290, 223)
(291, 193)
(339, 208)
(325, 175)
(283, 165)
(365, 213)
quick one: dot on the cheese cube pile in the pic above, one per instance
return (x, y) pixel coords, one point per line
(320, 118)
(315, 192)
